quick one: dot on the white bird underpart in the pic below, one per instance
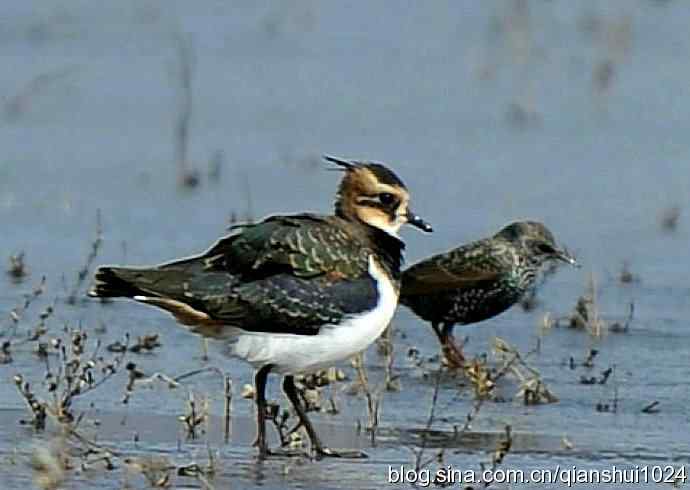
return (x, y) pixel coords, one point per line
(295, 354)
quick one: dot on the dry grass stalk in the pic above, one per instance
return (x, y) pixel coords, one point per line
(186, 64)
(586, 316)
(93, 253)
(533, 390)
(386, 348)
(18, 312)
(502, 449)
(419, 462)
(227, 407)
(586, 313)
(373, 399)
(138, 378)
(196, 416)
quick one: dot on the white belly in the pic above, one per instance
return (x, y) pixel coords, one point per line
(294, 354)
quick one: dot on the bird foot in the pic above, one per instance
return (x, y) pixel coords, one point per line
(326, 452)
(282, 453)
(452, 355)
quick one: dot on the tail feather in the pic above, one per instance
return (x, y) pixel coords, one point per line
(113, 282)
(167, 287)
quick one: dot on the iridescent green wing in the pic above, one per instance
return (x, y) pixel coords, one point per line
(301, 245)
(289, 304)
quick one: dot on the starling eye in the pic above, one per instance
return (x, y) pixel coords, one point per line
(386, 198)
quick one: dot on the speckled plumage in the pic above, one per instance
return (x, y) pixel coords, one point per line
(479, 280)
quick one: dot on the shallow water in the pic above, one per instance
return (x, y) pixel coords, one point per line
(430, 89)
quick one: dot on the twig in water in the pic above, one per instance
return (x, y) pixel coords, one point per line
(196, 415)
(17, 268)
(651, 408)
(227, 409)
(420, 464)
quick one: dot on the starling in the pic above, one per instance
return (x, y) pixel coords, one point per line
(294, 293)
(479, 280)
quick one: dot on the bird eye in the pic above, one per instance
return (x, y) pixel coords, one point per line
(386, 198)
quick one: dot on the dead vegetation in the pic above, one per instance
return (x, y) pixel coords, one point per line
(83, 273)
(162, 471)
(484, 381)
(76, 367)
(586, 315)
(74, 374)
(144, 344)
(373, 397)
(73, 370)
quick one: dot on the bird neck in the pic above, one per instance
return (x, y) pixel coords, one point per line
(525, 272)
(388, 248)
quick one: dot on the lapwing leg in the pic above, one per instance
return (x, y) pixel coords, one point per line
(260, 385)
(450, 349)
(437, 330)
(319, 449)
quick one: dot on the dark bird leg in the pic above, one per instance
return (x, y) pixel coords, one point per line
(450, 351)
(291, 392)
(453, 350)
(260, 385)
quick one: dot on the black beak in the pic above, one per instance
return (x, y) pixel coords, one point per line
(415, 220)
(564, 256)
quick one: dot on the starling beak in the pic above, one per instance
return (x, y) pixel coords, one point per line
(564, 256)
(479, 280)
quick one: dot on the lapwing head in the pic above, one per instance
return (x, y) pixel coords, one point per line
(536, 242)
(372, 193)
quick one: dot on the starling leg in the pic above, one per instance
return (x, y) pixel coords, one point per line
(291, 392)
(451, 351)
(260, 386)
